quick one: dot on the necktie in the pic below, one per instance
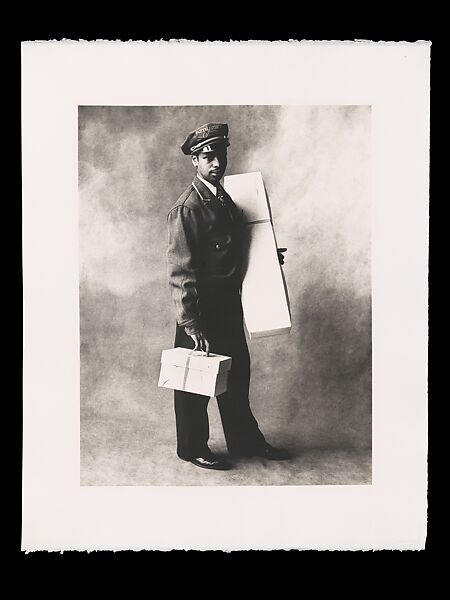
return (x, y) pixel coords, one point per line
(220, 196)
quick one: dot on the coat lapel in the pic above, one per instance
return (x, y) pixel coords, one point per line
(205, 193)
(211, 200)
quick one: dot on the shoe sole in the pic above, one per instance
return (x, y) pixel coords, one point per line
(211, 467)
(238, 456)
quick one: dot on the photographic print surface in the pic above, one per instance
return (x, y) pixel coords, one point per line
(310, 390)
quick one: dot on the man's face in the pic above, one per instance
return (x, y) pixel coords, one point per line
(211, 165)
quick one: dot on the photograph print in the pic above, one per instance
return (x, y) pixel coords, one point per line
(225, 295)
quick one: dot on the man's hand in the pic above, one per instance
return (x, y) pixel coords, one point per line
(280, 255)
(201, 343)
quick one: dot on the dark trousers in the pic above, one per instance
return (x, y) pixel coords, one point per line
(223, 327)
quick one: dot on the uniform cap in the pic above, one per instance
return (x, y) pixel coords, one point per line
(206, 138)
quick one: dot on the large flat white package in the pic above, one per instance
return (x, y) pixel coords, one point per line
(264, 293)
(264, 299)
(248, 193)
(184, 369)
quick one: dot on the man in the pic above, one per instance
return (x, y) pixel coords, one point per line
(204, 267)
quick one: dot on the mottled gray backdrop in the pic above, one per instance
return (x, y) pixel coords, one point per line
(311, 388)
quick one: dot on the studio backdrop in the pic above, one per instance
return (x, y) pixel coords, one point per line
(310, 388)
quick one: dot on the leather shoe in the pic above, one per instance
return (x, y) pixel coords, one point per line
(268, 452)
(271, 453)
(211, 462)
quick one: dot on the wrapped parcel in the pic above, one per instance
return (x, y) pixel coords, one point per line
(264, 293)
(184, 369)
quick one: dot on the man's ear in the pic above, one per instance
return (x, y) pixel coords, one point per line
(194, 160)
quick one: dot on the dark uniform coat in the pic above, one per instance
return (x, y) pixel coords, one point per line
(204, 251)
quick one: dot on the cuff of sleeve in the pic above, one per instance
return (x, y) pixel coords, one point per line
(192, 329)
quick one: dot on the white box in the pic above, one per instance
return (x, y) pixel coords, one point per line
(184, 369)
(265, 299)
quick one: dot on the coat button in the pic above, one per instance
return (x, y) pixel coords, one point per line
(217, 246)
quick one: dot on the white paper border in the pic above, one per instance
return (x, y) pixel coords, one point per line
(58, 514)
